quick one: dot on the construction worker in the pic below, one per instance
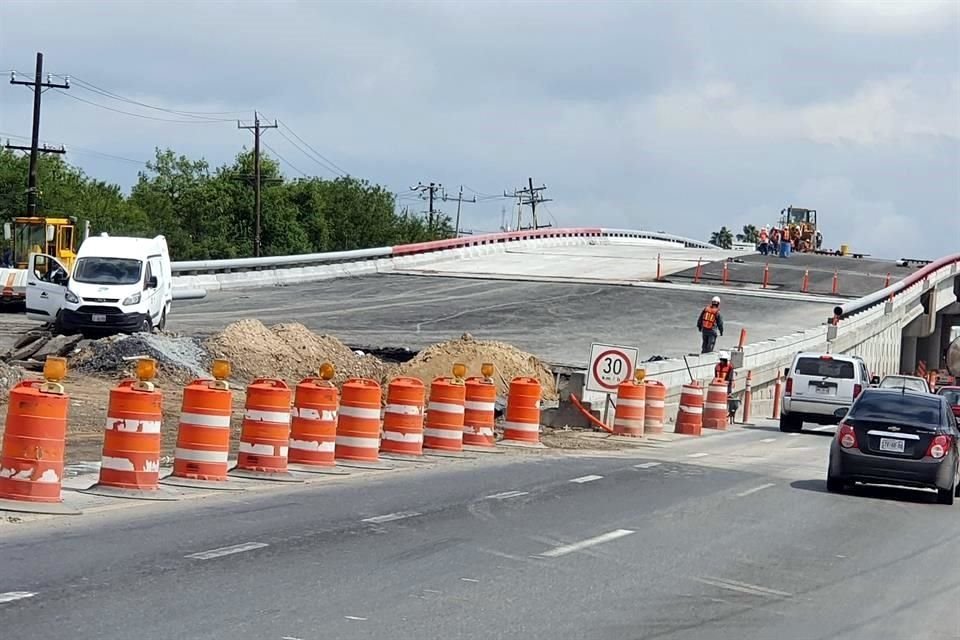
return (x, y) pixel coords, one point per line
(764, 241)
(710, 325)
(724, 370)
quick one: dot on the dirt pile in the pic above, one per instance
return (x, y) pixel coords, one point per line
(289, 351)
(179, 358)
(509, 362)
(9, 377)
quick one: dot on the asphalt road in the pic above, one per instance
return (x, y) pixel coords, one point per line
(556, 322)
(727, 537)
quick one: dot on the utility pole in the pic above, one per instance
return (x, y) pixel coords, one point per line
(531, 196)
(429, 193)
(459, 200)
(35, 150)
(257, 129)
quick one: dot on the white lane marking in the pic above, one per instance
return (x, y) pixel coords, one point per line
(584, 544)
(10, 596)
(769, 440)
(743, 587)
(505, 495)
(583, 479)
(646, 465)
(794, 435)
(226, 551)
(698, 455)
(469, 580)
(354, 618)
(755, 489)
(290, 638)
(390, 517)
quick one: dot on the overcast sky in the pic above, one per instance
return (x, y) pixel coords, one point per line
(675, 116)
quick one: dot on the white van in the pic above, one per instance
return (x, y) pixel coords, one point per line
(817, 385)
(118, 285)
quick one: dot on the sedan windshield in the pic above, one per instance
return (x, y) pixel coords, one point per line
(908, 409)
(901, 382)
(107, 270)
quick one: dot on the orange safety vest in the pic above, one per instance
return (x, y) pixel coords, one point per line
(709, 318)
(723, 371)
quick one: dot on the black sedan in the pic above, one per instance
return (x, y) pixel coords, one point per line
(895, 436)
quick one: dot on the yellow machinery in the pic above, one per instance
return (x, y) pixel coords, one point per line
(52, 236)
(802, 224)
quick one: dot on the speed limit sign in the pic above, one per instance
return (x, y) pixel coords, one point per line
(609, 366)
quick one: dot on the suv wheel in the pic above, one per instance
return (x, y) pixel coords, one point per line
(790, 424)
(835, 484)
(945, 496)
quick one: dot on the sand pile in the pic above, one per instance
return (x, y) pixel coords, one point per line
(510, 362)
(289, 351)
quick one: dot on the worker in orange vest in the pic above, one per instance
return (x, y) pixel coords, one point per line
(710, 324)
(764, 245)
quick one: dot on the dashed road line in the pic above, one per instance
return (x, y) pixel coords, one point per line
(390, 517)
(354, 618)
(646, 465)
(226, 551)
(469, 580)
(505, 495)
(697, 455)
(11, 596)
(755, 489)
(769, 440)
(743, 587)
(584, 544)
(583, 479)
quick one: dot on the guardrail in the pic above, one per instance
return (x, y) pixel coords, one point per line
(879, 297)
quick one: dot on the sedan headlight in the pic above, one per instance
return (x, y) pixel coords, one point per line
(133, 299)
(71, 297)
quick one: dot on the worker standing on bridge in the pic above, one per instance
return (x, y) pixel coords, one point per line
(764, 245)
(710, 325)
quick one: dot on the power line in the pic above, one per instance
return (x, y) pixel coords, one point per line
(307, 154)
(288, 163)
(70, 148)
(89, 86)
(140, 115)
(530, 196)
(428, 192)
(460, 200)
(333, 164)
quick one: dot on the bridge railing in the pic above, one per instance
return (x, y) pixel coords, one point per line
(933, 272)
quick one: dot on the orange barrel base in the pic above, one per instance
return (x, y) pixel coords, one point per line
(265, 433)
(131, 442)
(203, 439)
(479, 408)
(313, 423)
(403, 417)
(443, 426)
(690, 412)
(654, 407)
(522, 423)
(31, 461)
(715, 409)
(629, 414)
(358, 421)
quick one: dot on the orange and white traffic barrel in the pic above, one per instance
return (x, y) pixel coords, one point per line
(479, 407)
(443, 426)
(203, 437)
(131, 442)
(690, 411)
(358, 421)
(629, 414)
(313, 425)
(265, 432)
(403, 417)
(654, 407)
(715, 409)
(522, 423)
(31, 458)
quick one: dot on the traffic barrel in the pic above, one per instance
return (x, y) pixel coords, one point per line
(403, 417)
(715, 409)
(313, 420)
(265, 432)
(203, 435)
(654, 407)
(690, 412)
(358, 421)
(629, 414)
(522, 423)
(34, 439)
(443, 426)
(479, 409)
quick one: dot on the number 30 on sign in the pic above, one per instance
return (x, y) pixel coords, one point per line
(609, 366)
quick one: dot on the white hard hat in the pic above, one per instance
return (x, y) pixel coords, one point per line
(715, 299)
(724, 355)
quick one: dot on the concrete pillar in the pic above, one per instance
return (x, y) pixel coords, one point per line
(908, 354)
(934, 351)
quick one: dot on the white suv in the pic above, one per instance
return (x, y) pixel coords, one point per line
(818, 384)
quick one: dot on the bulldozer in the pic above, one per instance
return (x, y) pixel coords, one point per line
(25, 235)
(802, 224)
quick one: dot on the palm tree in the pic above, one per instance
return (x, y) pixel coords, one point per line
(722, 238)
(750, 234)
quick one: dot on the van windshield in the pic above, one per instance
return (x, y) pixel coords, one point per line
(107, 270)
(825, 368)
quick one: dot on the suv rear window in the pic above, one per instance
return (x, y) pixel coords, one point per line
(906, 408)
(825, 368)
(952, 395)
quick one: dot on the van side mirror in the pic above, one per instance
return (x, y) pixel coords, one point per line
(875, 380)
(7, 231)
(840, 414)
(152, 282)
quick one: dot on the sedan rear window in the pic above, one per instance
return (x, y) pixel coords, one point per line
(952, 396)
(825, 368)
(905, 408)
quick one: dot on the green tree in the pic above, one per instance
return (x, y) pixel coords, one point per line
(722, 238)
(750, 234)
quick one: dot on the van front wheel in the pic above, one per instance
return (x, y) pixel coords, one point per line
(145, 326)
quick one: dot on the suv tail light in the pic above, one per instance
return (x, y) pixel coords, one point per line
(939, 446)
(846, 436)
(857, 389)
(788, 390)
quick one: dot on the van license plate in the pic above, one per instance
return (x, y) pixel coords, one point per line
(99, 317)
(894, 445)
